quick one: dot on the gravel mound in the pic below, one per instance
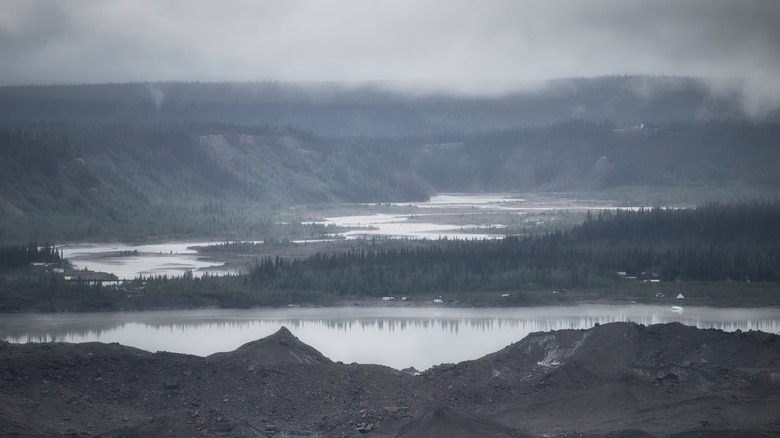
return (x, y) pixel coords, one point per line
(446, 423)
(618, 379)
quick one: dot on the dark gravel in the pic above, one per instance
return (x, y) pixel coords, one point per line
(618, 379)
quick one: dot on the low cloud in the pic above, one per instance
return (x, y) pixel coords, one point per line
(464, 45)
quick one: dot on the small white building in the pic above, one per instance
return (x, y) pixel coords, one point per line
(680, 296)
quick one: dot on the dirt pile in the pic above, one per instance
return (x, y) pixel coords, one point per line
(660, 379)
(612, 379)
(446, 423)
(281, 348)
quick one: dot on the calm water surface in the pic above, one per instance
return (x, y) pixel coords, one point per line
(395, 336)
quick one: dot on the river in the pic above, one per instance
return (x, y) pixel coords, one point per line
(398, 337)
(452, 216)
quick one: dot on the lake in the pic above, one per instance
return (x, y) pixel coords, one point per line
(398, 337)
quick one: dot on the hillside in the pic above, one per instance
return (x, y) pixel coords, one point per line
(618, 378)
(578, 155)
(173, 160)
(70, 181)
(66, 181)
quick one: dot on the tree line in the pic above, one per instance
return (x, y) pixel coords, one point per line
(610, 251)
(18, 256)
(715, 242)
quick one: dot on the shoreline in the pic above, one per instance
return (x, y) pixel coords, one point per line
(61, 306)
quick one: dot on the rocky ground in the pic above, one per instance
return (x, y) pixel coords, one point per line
(618, 379)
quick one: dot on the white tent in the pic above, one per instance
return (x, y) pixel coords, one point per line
(680, 296)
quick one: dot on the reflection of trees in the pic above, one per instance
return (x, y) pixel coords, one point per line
(55, 329)
(37, 328)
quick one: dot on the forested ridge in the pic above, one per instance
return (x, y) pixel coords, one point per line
(581, 155)
(375, 109)
(128, 161)
(77, 181)
(68, 182)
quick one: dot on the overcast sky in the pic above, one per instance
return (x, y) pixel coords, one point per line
(464, 43)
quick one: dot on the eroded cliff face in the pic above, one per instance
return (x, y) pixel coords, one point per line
(659, 380)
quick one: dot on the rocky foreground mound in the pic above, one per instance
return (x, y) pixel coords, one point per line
(618, 379)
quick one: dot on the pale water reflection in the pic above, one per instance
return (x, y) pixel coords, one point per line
(131, 261)
(432, 219)
(397, 337)
(399, 226)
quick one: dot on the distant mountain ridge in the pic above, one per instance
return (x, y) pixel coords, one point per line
(374, 109)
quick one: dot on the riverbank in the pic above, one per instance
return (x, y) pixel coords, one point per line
(81, 297)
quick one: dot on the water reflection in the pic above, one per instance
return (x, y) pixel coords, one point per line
(399, 226)
(131, 261)
(443, 219)
(397, 337)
